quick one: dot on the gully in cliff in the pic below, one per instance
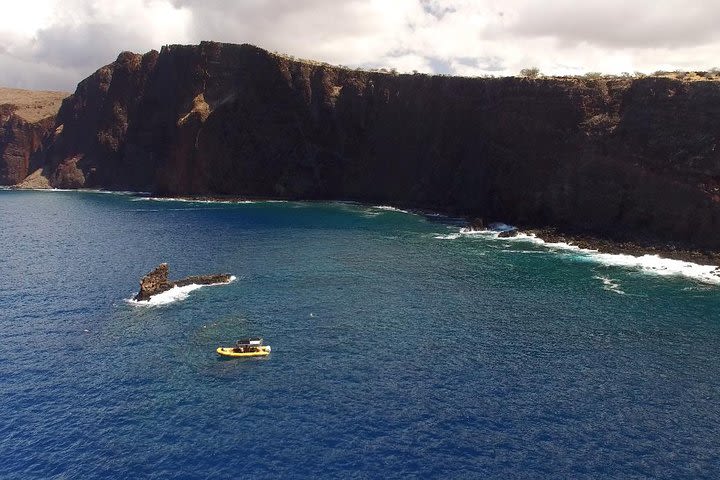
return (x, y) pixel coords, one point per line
(157, 282)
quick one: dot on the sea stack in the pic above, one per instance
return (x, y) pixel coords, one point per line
(157, 281)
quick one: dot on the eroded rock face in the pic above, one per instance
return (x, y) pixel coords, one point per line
(154, 282)
(157, 281)
(621, 158)
(476, 224)
(27, 118)
(20, 142)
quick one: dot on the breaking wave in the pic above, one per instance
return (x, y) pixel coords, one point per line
(650, 264)
(184, 200)
(175, 294)
(610, 285)
(79, 190)
(449, 236)
(661, 266)
(202, 200)
(389, 208)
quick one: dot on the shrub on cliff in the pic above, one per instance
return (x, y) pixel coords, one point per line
(532, 72)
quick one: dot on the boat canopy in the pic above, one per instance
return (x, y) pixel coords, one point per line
(250, 341)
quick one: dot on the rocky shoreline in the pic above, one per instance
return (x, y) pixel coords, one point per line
(637, 249)
(547, 234)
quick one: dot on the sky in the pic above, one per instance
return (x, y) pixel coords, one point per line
(53, 44)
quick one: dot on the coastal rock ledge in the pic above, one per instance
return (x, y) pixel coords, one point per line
(157, 281)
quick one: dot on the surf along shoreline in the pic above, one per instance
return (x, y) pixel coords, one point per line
(549, 234)
(626, 247)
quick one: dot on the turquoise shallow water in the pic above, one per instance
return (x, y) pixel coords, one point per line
(400, 348)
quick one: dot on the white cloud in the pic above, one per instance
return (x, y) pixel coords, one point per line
(22, 20)
(55, 43)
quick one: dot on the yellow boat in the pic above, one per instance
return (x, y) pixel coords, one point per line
(246, 347)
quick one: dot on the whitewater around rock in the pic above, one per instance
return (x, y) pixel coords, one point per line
(156, 282)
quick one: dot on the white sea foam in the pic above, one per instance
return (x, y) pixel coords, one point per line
(526, 252)
(449, 236)
(467, 232)
(471, 232)
(175, 294)
(48, 189)
(501, 227)
(389, 208)
(661, 266)
(610, 285)
(106, 192)
(532, 238)
(650, 264)
(83, 190)
(201, 200)
(186, 200)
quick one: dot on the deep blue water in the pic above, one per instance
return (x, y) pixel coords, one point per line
(395, 353)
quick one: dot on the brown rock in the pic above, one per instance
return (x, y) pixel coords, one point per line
(20, 141)
(36, 180)
(154, 282)
(508, 233)
(211, 279)
(476, 224)
(26, 118)
(157, 281)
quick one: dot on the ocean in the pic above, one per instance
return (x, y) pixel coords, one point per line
(402, 346)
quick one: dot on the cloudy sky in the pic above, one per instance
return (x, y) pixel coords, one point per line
(52, 44)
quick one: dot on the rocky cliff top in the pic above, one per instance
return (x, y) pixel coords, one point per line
(31, 105)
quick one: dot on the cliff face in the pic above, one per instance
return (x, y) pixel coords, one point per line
(26, 118)
(618, 157)
(19, 140)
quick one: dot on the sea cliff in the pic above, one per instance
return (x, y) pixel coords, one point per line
(622, 158)
(26, 119)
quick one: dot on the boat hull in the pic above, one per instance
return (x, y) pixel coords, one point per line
(230, 352)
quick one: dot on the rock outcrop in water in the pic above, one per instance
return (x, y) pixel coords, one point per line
(476, 224)
(622, 158)
(508, 233)
(157, 281)
(26, 119)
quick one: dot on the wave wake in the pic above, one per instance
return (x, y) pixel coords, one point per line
(183, 200)
(202, 200)
(175, 294)
(388, 208)
(610, 285)
(449, 236)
